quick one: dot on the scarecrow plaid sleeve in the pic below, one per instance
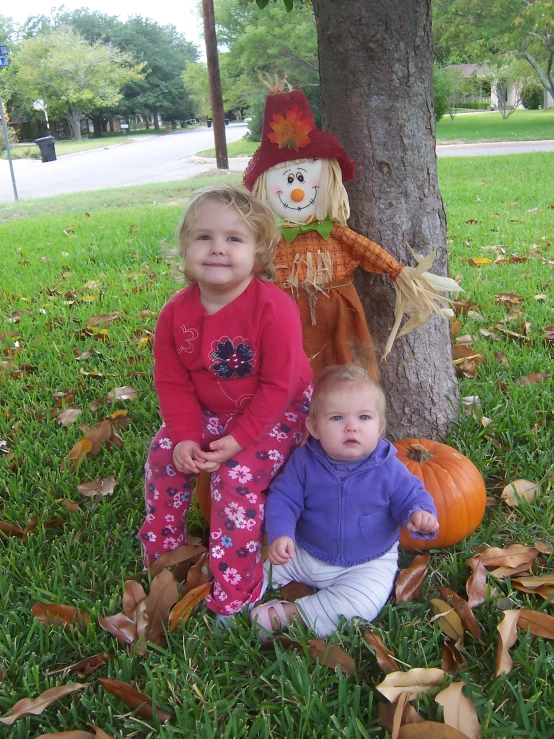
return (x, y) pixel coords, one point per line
(371, 256)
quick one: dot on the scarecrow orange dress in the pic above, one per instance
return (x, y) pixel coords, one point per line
(317, 272)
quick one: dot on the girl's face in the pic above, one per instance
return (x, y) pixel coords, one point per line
(221, 251)
(292, 190)
(347, 423)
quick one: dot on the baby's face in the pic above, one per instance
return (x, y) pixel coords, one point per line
(347, 423)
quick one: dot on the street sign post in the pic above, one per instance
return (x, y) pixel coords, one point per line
(7, 142)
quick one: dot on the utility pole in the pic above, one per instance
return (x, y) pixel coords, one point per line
(216, 97)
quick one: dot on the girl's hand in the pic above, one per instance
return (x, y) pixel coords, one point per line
(281, 550)
(422, 522)
(187, 455)
(221, 450)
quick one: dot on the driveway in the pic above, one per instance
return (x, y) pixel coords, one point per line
(139, 161)
(163, 159)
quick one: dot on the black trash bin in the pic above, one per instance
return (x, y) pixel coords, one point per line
(209, 122)
(226, 121)
(47, 149)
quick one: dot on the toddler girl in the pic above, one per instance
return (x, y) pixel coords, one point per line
(333, 514)
(233, 385)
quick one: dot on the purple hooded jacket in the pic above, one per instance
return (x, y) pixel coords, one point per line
(344, 521)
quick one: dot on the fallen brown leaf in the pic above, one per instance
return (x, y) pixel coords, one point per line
(184, 608)
(159, 602)
(532, 379)
(388, 711)
(459, 710)
(134, 699)
(85, 666)
(122, 393)
(429, 730)
(69, 416)
(538, 622)
(103, 318)
(174, 557)
(10, 529)
(463, 609)
(415, 681)
(450, 622)
(519, 489)
(507, 630)
(294, 590)
(120, 626)
(200, 572)
(385, 658)
(58, 614)
(78, 451)
(132, 596)
(409, 581)
(452, 658)
(516, 555)
(101, 486)
(35, 706)
(331, 656)
(75, 734)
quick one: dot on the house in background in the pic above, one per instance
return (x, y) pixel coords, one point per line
(485, 89)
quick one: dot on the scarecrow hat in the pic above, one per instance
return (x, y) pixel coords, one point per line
(289, 133)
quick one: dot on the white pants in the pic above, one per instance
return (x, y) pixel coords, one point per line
(359, 591)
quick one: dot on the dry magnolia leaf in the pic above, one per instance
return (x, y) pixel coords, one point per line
(69, 416)
(291, 591)
(75, 734)
(132, 596)
(415, 681)
(35, 706)
(58, 614)
(463, 609)
(122, 393)
(459, 710)
(539, 623)
(331, 656)
(401, 703)
(201, 572)
(71, 506)
(450, 622)
(184, 608)
(85, 666)
(102, 486)
(507, 630)
(452, 658)
(516, 555)
(519, 489)
(78, 451)
(387, 712)
(174, 557)
(385, 658)
(120, 626)
(410, 580)
(134, 699)
(159, 602)
(429, 730)
(532, 379)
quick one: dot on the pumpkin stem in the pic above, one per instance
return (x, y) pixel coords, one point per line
(418, 453)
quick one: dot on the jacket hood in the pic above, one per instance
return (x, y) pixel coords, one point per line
(383, 451)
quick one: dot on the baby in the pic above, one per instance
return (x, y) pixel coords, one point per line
(333, 514)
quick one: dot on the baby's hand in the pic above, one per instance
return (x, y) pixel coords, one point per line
(281, 550)
(186, 456)
(422, 522)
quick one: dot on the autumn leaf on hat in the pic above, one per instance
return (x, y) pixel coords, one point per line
(291, 131)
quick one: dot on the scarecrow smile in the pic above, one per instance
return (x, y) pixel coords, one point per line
(298, 207)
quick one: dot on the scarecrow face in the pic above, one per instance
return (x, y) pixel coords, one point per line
(292, 190)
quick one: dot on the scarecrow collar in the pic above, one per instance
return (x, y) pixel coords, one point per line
(291, 230)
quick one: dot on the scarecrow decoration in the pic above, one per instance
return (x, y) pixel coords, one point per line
(299, 171)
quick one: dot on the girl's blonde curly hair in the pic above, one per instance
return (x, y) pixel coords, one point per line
(257, 215)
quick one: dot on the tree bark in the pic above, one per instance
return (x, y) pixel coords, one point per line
(376, 68)
(73, 118)
(216, 95)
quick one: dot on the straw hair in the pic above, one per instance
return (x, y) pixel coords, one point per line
(332, 198)
(257, 215)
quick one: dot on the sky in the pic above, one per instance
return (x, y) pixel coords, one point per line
(183, 13)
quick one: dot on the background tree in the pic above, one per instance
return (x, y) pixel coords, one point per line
(471, 30)
(69, 74)
(377, 98)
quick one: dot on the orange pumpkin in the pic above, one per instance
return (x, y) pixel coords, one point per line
(455, 484)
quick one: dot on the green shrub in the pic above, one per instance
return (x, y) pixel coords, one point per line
(442, 92)
(533, 96)
(13, 138)
(473, 105)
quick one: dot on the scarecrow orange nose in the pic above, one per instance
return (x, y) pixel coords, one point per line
(297, 195)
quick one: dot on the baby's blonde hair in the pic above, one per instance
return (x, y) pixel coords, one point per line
(332, 198)
(339, 374)
(258, 216)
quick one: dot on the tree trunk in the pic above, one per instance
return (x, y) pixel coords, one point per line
(216, 95)
(73, 118)
(376, 68)
(156, 118)
(97, 123)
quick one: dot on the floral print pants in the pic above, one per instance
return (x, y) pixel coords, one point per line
(237, 512)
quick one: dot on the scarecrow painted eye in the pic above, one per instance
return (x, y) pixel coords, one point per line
(290, 179)
(300, 177)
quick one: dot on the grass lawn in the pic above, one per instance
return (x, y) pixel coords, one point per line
(68, 260)
(523, 125)
(240, 148)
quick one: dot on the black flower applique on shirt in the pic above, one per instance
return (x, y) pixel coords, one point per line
(232, 358)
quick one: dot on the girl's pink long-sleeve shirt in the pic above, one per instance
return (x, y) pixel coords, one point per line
(246, 360)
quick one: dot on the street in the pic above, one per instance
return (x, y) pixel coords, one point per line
(163, 159)
(137, 162)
